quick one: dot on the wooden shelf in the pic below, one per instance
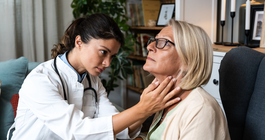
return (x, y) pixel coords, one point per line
(146, 28)
(143, 29)
(222, 48)
(138, 90)
(135, 57)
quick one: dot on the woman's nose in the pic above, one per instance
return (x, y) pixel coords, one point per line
(151, 47)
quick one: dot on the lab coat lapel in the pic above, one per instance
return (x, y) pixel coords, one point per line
(77, 94)
(74, 89)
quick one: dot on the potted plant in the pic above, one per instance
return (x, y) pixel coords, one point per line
(116, 9)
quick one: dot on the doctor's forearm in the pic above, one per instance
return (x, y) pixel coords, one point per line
(130, 117)
(136, 125)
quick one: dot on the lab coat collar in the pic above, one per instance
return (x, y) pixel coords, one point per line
(74, 90)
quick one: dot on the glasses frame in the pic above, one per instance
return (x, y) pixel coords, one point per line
(151, 39)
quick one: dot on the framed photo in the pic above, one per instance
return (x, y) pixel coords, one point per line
(257, 12)
(257, 25)
(262, 39)
(165, 14)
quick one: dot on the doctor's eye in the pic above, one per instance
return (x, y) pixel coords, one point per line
(113, 56)
(103, 52)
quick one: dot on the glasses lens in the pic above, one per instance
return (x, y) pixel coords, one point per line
(150, 40)
(161, 43)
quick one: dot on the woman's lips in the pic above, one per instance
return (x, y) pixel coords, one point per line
(149, 58)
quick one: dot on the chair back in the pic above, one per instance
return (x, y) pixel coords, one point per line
(242, 91)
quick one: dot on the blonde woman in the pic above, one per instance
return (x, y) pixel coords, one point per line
(185, 51)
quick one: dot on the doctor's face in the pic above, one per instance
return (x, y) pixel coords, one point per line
(97, 54)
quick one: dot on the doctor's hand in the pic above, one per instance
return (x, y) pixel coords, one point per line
(158, 96)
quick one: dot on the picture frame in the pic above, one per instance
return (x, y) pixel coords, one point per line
(257, 25)
(262, 40)
(257, 12)
(165, 14)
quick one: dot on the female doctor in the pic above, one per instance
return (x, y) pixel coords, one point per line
(63, 98)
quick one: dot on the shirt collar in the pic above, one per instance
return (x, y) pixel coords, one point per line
(64, 59)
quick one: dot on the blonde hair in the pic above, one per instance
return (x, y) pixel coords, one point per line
(194, 48)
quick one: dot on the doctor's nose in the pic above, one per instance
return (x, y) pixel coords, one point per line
(106, 62)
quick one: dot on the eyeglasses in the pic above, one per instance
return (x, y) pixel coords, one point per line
(160, 42)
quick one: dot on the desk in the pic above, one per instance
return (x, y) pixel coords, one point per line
(222, 48)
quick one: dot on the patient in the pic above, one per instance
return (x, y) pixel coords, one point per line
(185, 51)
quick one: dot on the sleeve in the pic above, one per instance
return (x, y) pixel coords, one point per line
(106, 108)
(41, 95)
(202, 123)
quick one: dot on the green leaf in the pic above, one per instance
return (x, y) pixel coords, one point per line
(115, 85)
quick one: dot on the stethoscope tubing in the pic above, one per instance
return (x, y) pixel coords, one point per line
(88, 78)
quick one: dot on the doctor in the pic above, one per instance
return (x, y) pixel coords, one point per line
(63, 98)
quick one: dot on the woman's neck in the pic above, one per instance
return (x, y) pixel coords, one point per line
(182, 95)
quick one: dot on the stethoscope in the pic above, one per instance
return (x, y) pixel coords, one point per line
(88, 88)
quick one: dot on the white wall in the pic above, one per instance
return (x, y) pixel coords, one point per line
(64, 14)
(199, 12)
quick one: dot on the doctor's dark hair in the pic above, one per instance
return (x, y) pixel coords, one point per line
(97, 26)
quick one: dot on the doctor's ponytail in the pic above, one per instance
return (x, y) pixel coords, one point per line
(67, 41)
(97, 26)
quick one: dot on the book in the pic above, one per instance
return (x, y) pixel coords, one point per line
(140, 14)
(147, 77)
(151, 10)
(132, 21)
(144, 39)
(135, 12)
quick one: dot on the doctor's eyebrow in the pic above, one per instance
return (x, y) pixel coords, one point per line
(109, 51)
(106, 49)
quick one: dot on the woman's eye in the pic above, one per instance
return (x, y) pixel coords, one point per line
(167, 43)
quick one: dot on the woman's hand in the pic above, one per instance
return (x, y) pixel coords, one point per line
(157, 97)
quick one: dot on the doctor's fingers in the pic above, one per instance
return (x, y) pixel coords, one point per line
(171, 97)
(163, 88)
(151, 87)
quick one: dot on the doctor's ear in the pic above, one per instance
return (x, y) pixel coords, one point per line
(78, 41)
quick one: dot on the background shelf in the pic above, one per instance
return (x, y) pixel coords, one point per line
(135, 57)
(138, 90)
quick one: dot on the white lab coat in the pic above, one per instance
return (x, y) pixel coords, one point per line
(43, 114)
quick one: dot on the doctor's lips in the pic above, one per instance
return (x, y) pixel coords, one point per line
(101, 69)
(149, 58)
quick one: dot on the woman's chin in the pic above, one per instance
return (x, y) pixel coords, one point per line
(146, 68)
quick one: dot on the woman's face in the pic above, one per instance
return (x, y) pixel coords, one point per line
(163, 62)
(96, 55)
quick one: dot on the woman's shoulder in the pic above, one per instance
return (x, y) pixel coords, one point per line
(200, 96)
(198, 104)
(197, 100)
